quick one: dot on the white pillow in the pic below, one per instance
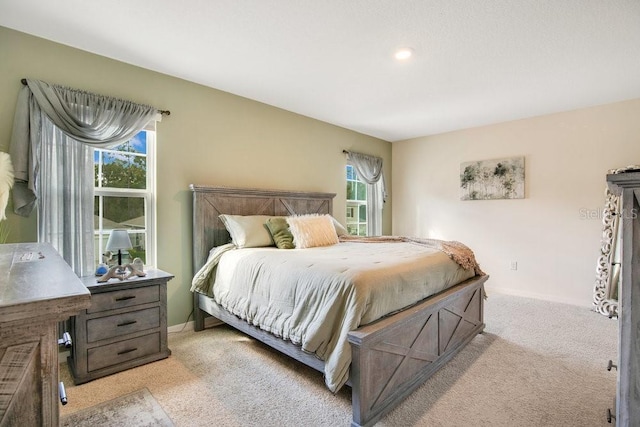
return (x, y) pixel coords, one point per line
(312, 230)
(340, 230)
(248, 231)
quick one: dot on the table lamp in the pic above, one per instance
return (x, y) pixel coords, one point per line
(118, 240)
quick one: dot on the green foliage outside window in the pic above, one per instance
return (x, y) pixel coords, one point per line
(122, 167)
(123, 171)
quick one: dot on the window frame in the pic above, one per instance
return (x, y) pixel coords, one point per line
(148, 195)
(356, 204)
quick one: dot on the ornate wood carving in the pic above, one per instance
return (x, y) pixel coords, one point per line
(611, 214)
(601, 299)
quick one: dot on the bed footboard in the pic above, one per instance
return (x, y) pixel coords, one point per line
(392, 357)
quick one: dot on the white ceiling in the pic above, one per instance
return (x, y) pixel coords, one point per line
(476, 62)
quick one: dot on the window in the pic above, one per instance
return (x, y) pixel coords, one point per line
(124, 195)
(356, 204)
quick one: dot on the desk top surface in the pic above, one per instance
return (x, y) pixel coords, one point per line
(34, 273)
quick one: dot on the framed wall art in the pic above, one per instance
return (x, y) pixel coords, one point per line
(492, 179)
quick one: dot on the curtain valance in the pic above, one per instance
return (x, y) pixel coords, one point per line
(88, 118)
(369, 169)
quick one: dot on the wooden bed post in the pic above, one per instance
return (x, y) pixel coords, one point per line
(197, 261)
(198, 314)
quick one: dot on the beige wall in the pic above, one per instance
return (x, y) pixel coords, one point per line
(552, 233)
(211, 137)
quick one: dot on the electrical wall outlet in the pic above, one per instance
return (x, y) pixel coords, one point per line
(514, 265)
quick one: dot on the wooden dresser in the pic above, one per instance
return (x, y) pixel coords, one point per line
(125, 326)
(627, 406)
(37, 290)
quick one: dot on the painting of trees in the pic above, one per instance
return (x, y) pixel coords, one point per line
(492, 179)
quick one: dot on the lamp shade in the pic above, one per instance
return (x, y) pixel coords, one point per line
(118, 239)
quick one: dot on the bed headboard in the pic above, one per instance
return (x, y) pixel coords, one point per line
(209, 202)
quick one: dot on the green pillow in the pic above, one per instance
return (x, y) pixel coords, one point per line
(279, 229)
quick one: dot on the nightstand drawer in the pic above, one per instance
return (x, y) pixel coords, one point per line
(122, 324)
(123, 351)
(123, 298)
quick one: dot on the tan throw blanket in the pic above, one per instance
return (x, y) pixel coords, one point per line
(458, 252)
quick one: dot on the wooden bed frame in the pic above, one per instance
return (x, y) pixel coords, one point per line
(390, 357)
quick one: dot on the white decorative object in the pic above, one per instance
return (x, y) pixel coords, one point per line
(6, 182)
(132, 271)
(605, 292)
(138, 264)
(106, 257)
(114, 272)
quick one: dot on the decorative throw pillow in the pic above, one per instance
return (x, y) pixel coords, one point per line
(312, 230)
(248, 231)
(279, 229)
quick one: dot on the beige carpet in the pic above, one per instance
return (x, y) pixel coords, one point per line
(537, 364)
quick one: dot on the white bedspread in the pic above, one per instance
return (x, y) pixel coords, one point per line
(314, 297)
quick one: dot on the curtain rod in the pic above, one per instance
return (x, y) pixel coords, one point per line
(163, 112)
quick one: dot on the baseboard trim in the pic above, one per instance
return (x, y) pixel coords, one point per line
(533, 295)
(181, 327)
(209, 322)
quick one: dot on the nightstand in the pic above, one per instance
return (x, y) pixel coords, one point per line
(125, 326)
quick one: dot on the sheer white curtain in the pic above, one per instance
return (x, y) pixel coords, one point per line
(369, 170)
(55, 129)
(65, 204)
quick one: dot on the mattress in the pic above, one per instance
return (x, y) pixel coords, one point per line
(314, 297)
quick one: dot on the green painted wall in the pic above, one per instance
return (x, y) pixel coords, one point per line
(212, 137)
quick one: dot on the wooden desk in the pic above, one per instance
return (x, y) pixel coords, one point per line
(37, 290)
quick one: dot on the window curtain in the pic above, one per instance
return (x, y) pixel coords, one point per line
(54, 132)
(369, 170)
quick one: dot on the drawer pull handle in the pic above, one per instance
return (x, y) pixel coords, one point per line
(130, 322)
(120, 353)
(62, 393)
(125, 298)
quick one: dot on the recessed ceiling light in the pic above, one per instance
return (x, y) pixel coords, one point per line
(403, 54)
